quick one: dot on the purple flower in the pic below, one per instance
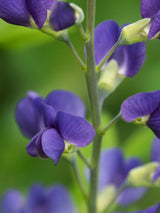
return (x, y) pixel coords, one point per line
(114, 170)
(39, 200)
(144, 108)
(129, 58)
(62, 16)
(151, 9)
(21, 12)
(12, 202)
(54, 123)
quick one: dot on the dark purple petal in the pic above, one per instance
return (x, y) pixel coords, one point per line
(132, 163)
(38, 10)
(154, 122)
(28, 116)
(155, 26)
(140, 105)
(156, 174)
(131, 195)
(31, 147)
(149, 8)
(62, 16)
(155, 153)
(52, 144)
(66, 101)
(37, 200)
(12, 202)
(60, 200)
(130, 58)
(49, 114)
(75, 130)
(14, 12)
(112, 168)
(106, 35)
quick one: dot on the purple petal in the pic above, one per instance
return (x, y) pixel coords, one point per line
(14, 12)
(131, 195)
(60, 200)
(106, 35)
(132, 163)
(31, 147)
(62, 16)
(149, 8)
(28, 116)
(37, 200)
(112, 168)
(52, 144)
(66, 101)
(153, 209)
(156, 174)
(12, 202)
(155, 153)
(49, 114)
(130, 58)
(155, 26)
(75, 130)
(154, 122)
(140, 105)
(38, 10)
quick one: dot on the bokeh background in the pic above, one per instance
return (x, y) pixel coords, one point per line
(30, 60)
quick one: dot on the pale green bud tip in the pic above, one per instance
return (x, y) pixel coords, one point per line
(109, 192)
(142, 176)
(135, 32)
(108, 76)
(78, 13)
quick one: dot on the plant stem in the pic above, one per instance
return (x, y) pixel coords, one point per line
(82, 32)
(115, 119)
(81, 63)
(91, 79)
(73, 163)
(84, 159)
(112, 50)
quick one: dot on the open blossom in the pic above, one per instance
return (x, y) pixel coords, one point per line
(22, 12)
(114, 170)
(39, 200)
(151, 9)
(144, 108)
(128, 58)
(54, 124)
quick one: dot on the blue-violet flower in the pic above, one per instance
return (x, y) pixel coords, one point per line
(55, 123)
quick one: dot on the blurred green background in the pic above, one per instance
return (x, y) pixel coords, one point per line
(30, 60)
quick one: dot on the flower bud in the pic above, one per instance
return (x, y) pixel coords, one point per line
(142, 176)
(135, 32)
(65, 15)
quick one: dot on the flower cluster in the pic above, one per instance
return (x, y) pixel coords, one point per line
(60, 15)
(55, 123)
(39, 200)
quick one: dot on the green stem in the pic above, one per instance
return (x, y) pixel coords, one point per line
(111, 123)
(91, 79)
(79, 60)
(79, 153)
(73, 163)
(82, 32)
(112, 50)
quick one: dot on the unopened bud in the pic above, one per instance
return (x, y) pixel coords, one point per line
(135, 32)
